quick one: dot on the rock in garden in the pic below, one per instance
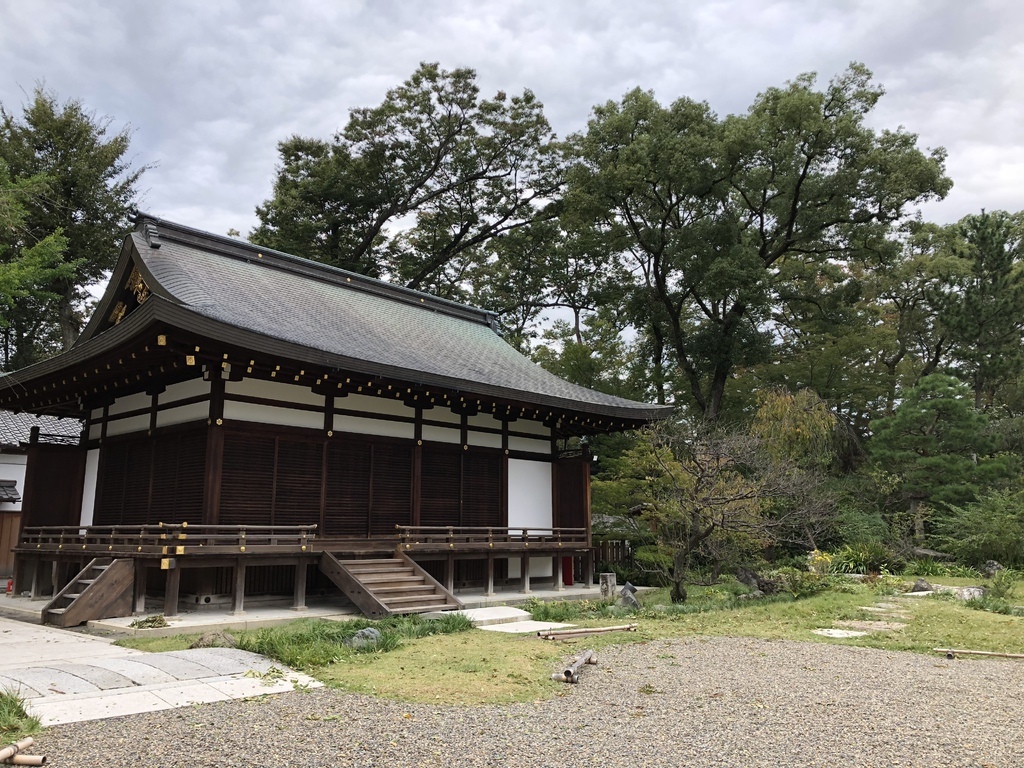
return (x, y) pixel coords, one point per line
(627, 596)
(990, 569)
(752, 595)
(970, 593)
(215, 640)
(922, 586)
(364, 638)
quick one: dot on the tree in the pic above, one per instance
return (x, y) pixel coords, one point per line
(27, 269)
(982, 309)
(938, 447)
(414, 189)
(89, 194)
(714, 217)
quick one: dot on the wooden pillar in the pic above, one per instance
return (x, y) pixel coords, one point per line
(139, 589)
(490, 574)
(171, 592)
(449, 573)
(238, 593)
(37, 587)
(214, 451)
(524, 574)
(299, 594)
(588, 569)
(55, 572)
(556, 569)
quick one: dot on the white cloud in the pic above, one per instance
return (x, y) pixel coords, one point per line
(210, 88)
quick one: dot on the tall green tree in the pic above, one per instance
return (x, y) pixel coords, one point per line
(713, 217)
(938, 448)
(414, 189)
(28, 267)
(90, 191)
(982, 308)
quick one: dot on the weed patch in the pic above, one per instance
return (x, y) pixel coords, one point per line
(15, 722)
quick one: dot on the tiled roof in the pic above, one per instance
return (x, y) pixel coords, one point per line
(9, 491)
(15, 428)
(403, 332)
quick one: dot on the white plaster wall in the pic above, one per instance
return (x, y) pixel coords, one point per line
(185, 389)
(92, 467)
(539, 566)
(12, 467)
(530, 427)
(275, 390)
(95, 430)
(266, 414)
(183, 414)
(528, 445)
(484, 439)
(131, 424)
(368, 404)
(529, 494)
(440, 413)
(130, 403)
(441, 434)
(373, 427)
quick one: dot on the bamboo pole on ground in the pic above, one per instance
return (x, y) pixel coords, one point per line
(572, 672)
(555, 634)
(25, 760)
(952, 652)
(12, 749)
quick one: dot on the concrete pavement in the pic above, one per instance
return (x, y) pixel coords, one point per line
(68, 677)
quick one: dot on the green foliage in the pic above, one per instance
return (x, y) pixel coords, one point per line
(982, 308)
(867, 557)
(69, 229)
(1003, 583)
(309, 644)
(939, 448)
(725, 224)
(15, 722)
(464, 171)
(991, 528)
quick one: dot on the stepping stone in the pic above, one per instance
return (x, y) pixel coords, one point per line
(872, 626)
(839, 632)
(497, 614)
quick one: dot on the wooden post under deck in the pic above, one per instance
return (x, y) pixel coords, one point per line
(588, 569)
(449, 573)
(490, 574)
(171, 592)
(556, 570)
(238, 593)
(139, 598)
(524, 574)
(299, 594)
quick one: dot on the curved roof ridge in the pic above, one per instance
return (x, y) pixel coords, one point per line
(242, 249)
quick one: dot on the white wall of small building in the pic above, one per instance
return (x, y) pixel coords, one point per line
(12, 467)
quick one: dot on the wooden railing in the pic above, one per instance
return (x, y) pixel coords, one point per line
(165, 539)
(412, 537)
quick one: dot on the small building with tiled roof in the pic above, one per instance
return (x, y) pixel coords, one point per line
(224, 384)
(16, 432)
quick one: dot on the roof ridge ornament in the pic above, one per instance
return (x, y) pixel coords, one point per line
(152, 235)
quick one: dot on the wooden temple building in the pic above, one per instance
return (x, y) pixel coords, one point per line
(259, 424)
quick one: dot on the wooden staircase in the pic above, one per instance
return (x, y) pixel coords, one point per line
(386, 586)
(102, 590)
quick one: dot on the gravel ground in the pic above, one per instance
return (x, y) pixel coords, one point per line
(696, 702)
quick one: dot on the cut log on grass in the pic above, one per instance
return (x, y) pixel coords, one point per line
(25, 760)
(12, 749)
(572, 672)
(951, 653)
(556, 634)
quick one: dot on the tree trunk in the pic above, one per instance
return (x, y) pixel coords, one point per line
(917, 512)
(680, 563)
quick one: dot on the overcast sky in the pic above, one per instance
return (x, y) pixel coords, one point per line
(210, 86)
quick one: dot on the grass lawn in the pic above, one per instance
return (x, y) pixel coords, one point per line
(475, 666)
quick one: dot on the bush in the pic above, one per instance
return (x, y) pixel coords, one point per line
(991, 528)
(308, 644)
(870, 557)
(1002, 584)
(14, 719)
